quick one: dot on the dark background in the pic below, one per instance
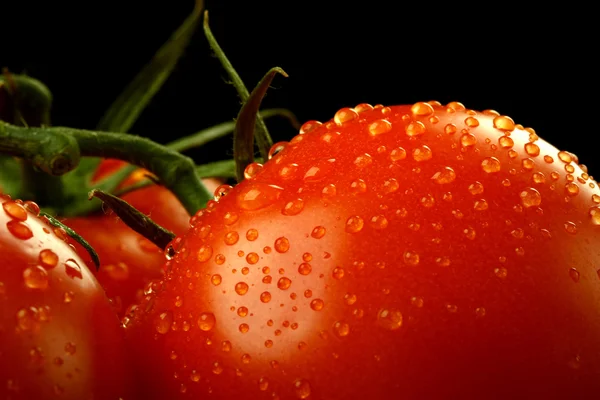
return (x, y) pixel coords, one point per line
(537, 66)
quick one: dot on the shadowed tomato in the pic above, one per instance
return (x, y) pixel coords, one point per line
(414, 252)
(58, 332)
(128, 260)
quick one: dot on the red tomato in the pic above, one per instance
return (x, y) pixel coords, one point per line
(414, 252)
(128, 260)
(59, 337)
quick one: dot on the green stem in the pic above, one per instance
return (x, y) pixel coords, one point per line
(263, 139)
(57, 150)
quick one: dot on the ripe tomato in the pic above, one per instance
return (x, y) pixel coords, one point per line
(415, 252)
(128, 260)
(59, 337)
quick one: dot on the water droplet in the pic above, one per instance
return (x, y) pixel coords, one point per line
(595, 215)
(572, 189)
(379, 127)
(565, 156)
(15, 210)
(468, 140)
(415, 128)
(501, 272)
(574, 274)
(389, 319)
(363, 160)
(506, 142)
(73, 269)
(411, 258)
(265, 297)
(504, 123)
(446, 175)
(470, 233)
(68, 297)
(32, 207)
(163, 321)
(421, 109)
(530, 197)
(318, 232)
(206, 321)
(241, 288)
(570, 227)
(302, 389)
(221, 191)
(276, 148)
(304, 268)
(422, 153)
(317, 304)
(532, 149)
(354, 224)
(258, 195)
(472, 122)
(252, 170)
(35, 277)
(230, 218)
(341, 329)
(244, 328)
(427, 201)
(293, 207)
(338, 273)
(480, 205)
(309, 126)
(252, 258)
(19, 229)
(379, 222)
(284, 283)
(362, 107)
(490, 165)
(329, 191)
(48, 259)
(450, 129)
(231, 238)
(204, 253)
(538, 177)
(282, 245)
(398, 154)
(288, 171)
(345, 114)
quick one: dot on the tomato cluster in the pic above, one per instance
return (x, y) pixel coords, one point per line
(419, 252)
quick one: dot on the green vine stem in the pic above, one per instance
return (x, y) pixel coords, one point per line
(263, 139)
(136, 220)
(58, 150)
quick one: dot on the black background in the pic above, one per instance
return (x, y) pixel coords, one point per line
(537, 66)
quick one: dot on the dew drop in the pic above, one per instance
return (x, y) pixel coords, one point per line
(241, 288)
(354, 224)
(422, 153)
(204, 253)
(574, 274)
(252, 170)
(472, 122)
(309, 126)
(532, 149)
(317, 304)
(302, 389)
(345, 114)
(595, 215)
(73, 269)
(265, 297)
(244, 328)
(390, 319)
(450, 129)
(338, 273)
(350, 298)
(276, 148)
(427, 201)
(293, 207)
(19, 229)
(363, 160)
(257, 196)
(379, 222)
(490, 165)
(15, 210)
(230, 218)
(421, 109)
(506, 142)
(318, 232)
(530, 197)
(501, 272)
(411, 258)
(282, 244)
(572, 189)
(481, 205)
(252, 258)
(504, 123)
(398, 154)
(468, 140)
(379, 127)
(570, 227)
(446, 175)
(304, 268)
(565, 156)
(415, 128)
(284, 283)
(35, 277)
(341, 329)
(362, 107)
(48, 259)
(231, 238)
(206, 321)
(163, 321)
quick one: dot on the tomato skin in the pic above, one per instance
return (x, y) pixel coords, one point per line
(128, 260)
(58, 332)
(448, 257)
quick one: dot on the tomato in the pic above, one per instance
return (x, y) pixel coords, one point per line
(128, 260)
(59, 337)
(414, 252)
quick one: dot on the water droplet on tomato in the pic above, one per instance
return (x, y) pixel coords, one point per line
(317, 304)
(480, 205)
(48, 259)
(293, 207)
(379, 127)
(276, 148)
(206, 321)
(530, 197)
(389, 319)
(595, 215)
(19, 229)
(341, 329)
(565, 156)
(504, 123)
(241, 288)
(446, 175)
(35, 277)
(574, 274)
(257, 196)
(354, 224)
(411, 258)
(472, 122)
(415, 128)
(468, 140)
(398, 154)
(162, 323)
(282, 245)
(302, 389)
(244, 328)
(304, 268)
(422, 153)
(532, 149)
(204, 253)
(284, 283)
(572, 189)
(490, 165)
(15, 210)
(231, 238)
(345, 114)
(421, 109)
(570, 227)
(73, 269)
(427, 201)
(379, 222)
(309, 126)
